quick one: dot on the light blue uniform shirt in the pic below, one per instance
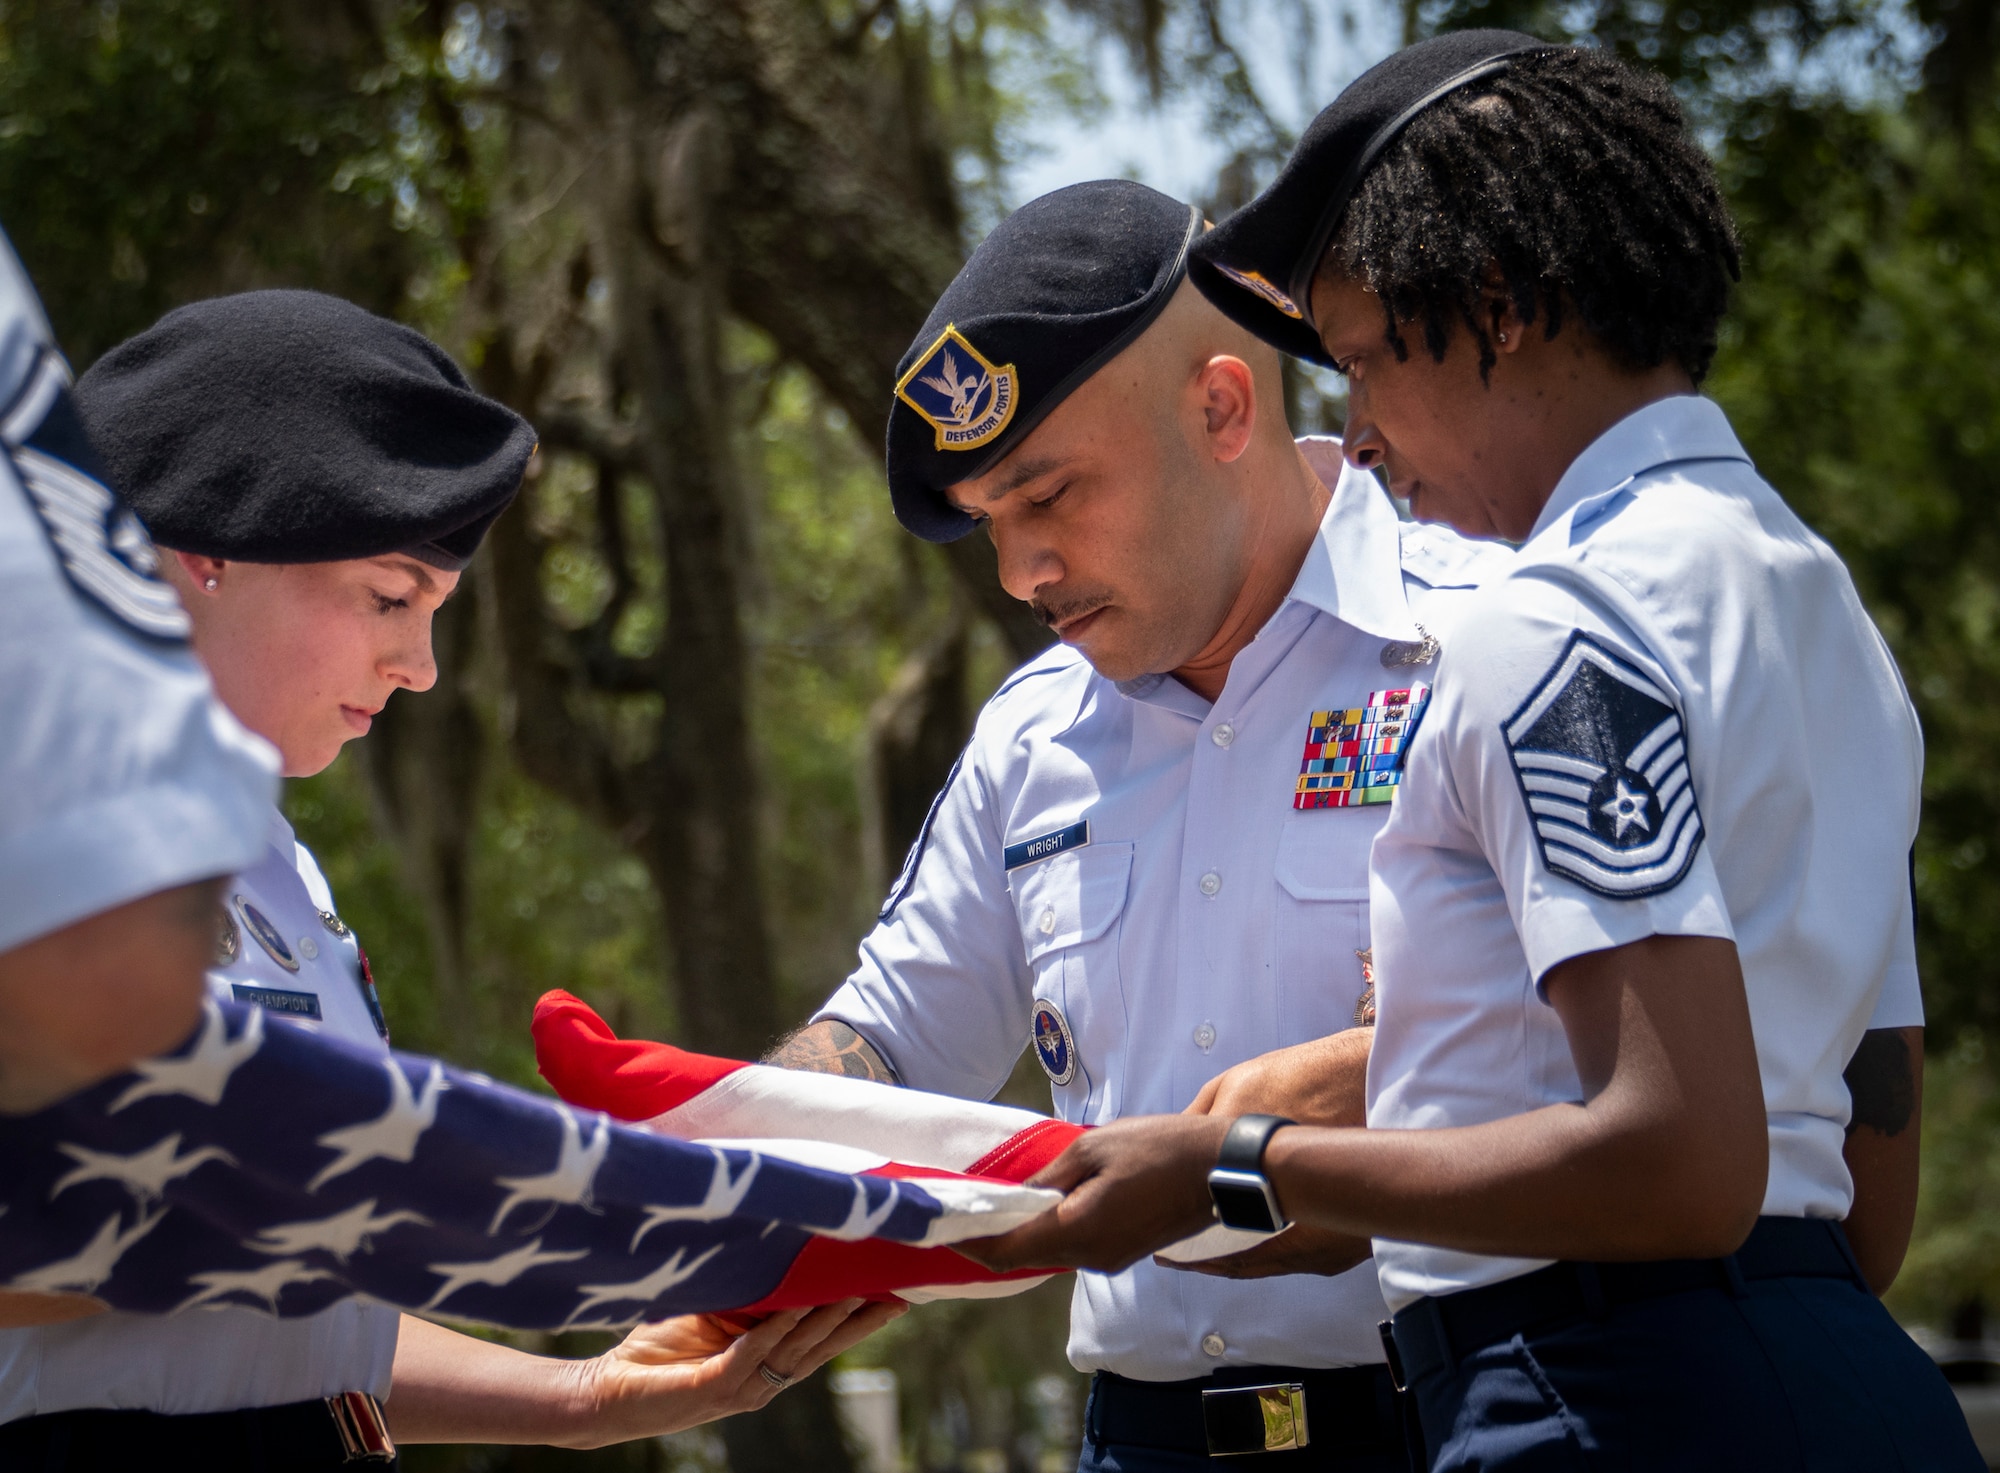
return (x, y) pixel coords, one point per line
(306, 967)
(1206, 920)
(120, 773)
(1669, 716)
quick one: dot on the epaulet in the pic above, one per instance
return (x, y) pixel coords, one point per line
(1441, 558)
(1055, 660)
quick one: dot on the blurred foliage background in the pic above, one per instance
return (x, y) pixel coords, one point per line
(699, 689)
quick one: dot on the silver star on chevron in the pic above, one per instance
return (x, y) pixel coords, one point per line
(1626, 808)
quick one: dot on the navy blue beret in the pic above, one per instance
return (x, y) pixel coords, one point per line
(1059, 288)
(293, 427)
(1257, 266)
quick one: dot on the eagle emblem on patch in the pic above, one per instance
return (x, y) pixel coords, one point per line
(965, 398)
(1254, 283)
(1601, 755)
(1055, 1047)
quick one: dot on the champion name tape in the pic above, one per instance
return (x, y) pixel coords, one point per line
(1354, 755)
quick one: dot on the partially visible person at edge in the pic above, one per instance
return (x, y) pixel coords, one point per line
(1152, 859)
(322, 477)
(126, 792)
(1647, 893)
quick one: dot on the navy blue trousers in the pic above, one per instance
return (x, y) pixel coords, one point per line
(1793, 1375)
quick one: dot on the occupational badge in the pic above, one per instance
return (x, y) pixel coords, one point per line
(228, 941)
(1419, 651)
(267, 935)
(1601, 755)
(963, 397)
(1354, 756)
(1254, 283)
(1055, 1049)
(334, 924)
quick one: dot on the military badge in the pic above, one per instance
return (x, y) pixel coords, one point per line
(228, 942)
(267, 935)
(334, 924)
(1364, 1006)
(1055, 1049)
(1419, 651)
(964, 398)
(1254, 283)
(1601, 755)
(1354, 756)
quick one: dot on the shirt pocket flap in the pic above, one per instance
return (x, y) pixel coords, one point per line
(1072, 898)
(1323, 853)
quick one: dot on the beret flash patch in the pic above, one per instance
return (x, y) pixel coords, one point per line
(964, 398)
(1254, 282)
(1601, 756)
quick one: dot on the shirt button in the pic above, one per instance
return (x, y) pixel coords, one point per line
(1048, 922)
(1213, 1344)
(308, 948)
(1204, 1037)
(1223, 735)
(1210, 883)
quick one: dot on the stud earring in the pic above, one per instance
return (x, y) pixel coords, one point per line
(210, 585)
(1503, 338)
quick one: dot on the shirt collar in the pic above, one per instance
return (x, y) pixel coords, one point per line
(1354, 569)
(1685, 427)
(278, 834)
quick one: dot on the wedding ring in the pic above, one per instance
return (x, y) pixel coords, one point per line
(781, 1382)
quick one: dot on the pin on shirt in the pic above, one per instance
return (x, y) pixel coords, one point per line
(1420, 651)
(267, 935)
(228, 941)
(1055, 1047)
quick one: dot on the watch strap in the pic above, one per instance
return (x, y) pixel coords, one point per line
(1243, 1144)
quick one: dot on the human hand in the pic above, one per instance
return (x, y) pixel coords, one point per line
(1324, 1082)
(1299, 1249)
(692, 1369)
(1131, 1187)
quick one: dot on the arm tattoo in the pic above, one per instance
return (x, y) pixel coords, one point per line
(832, 1048)
(1880, 1081)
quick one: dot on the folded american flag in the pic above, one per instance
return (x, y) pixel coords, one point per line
(268, 1166)
(943, 1144)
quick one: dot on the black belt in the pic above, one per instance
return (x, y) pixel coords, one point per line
(1437, 1332)
(1350, 1410)
(341, 1431)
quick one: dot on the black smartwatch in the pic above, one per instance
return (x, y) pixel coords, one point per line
(1242, 1194)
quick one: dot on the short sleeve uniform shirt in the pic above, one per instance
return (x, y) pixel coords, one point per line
(286, 949)
(1154, 889)
(120, 774)
(1670, 716)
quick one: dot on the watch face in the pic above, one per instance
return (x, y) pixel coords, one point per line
(1243, 1201)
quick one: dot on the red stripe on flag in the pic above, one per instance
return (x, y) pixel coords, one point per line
(630, 1079)
(1019, 1157)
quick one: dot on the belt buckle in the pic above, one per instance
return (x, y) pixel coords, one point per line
(1255, 1419)
(364, 1433)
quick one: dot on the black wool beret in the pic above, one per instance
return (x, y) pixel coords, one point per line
(1061, 286)
(293, 427)
(1257, 266)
